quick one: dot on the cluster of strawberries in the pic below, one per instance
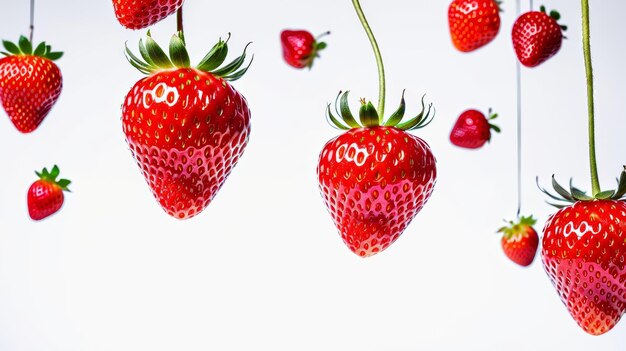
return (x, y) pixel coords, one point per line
(187, 127)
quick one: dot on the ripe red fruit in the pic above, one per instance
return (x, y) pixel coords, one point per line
(473, 23)
(30, 83)
(375, 177)
(537, 37)
(45, 196)
(520, 241)
(138, 14)
(300, 48)
(584, 254)
(186, 127)
(472, 130)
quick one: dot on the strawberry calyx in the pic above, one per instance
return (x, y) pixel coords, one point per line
(51, 177)
(491, 116)
(499, 5)
(154, 59)
(575, 194)
(555, 15)
(369, 117)
(24, 47)
(517, 228)
(317, 47)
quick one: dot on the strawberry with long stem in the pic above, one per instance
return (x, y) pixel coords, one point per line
(584, 243)
(375, 177)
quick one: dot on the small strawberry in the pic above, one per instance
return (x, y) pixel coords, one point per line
(138, 14)
(375, 177)
(45, 196)
(584, 254)
(473, 23)
(30, 83)
(537, 37)
(520, 241)
(300, 48)
(186, 127)
(472, 130)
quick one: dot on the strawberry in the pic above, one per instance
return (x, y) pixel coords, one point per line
(186, 127)
(520, 241)
(375, 177)
(30, 83)
(584, 254)
(537, 37)
(300, 48)
(138, 14)
(472, 130)
(45, 196)
(473, 23)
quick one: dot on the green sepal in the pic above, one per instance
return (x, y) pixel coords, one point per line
(52, 176)
(560, 190)
(25, 46)
(397, 116)
(621, 186)
(156, 54)
(178, 51)
(605, 195)
(517, 227)
(346, 114)
(421, 120)
(215, 57)
(233, 66)
(495, 128)
(334, 121)
(368, 114)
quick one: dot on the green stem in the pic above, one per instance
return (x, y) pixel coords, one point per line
(595, 183)
(179, 23)
(379, 59)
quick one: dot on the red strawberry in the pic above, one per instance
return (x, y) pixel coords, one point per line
(472, 130)
(138, 14)
(30, 83)
(473, 23)
(186, 127)
(520, 241)
(375, 177)
(537, 37)
(300, 48)
(584, 254)
(45, 196)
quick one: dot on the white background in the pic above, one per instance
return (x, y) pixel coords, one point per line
(263, 267)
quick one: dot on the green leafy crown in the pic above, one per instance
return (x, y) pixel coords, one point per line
(155, 59)
(51, 177)
(368, 116)
(564, 198)
(24, 47)
(555, 15)
(517, 227)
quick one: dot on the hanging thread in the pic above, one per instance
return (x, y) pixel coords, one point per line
(32, 19)
(518, 72)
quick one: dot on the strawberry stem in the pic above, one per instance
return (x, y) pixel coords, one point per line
(595, 183)
(179, 23)
(32, 19)
(379, 59)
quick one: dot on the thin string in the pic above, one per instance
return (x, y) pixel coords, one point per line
(518, 72)
(531, 5)
(32, 19)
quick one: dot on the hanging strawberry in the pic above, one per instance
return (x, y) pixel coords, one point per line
(520, 241)
(584, 243)
(30, 82)
(300, 48)
(537, 36)
(138, 14)
(473, 130)
(186, 126)
(45, 196)
(375, 177)
(473, 23)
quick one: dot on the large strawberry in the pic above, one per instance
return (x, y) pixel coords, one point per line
(375, 177)
(45, 196)
(537, 36)
(473, 23)
(300, 48)
(472, 130)
(584, 253)
(520, 241)
(30, 82)
(138, 14)
(186, 126)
